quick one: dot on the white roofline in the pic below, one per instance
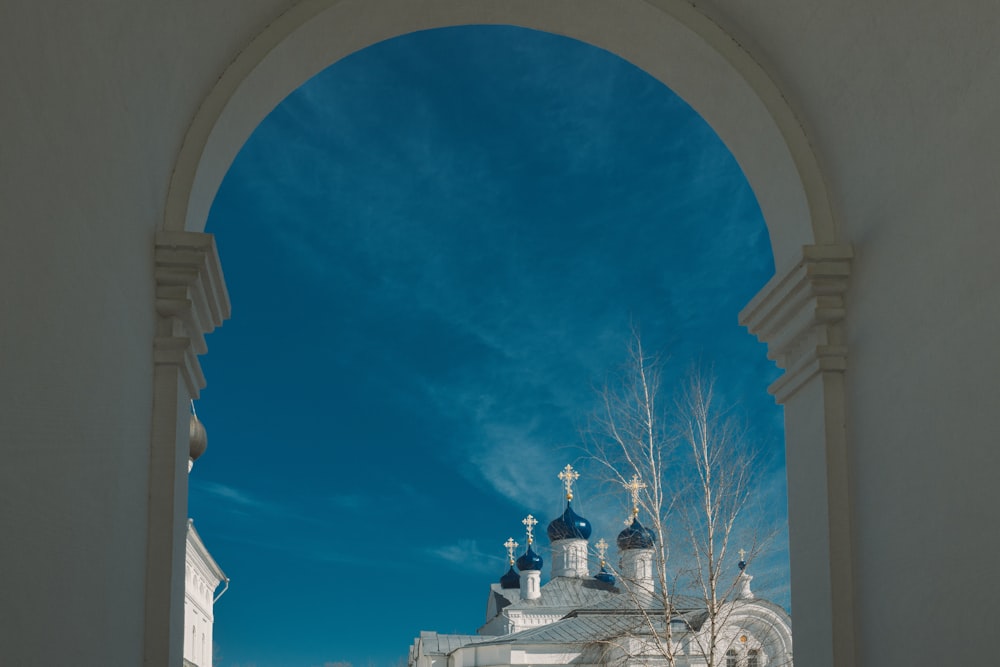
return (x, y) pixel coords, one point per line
(201, 552)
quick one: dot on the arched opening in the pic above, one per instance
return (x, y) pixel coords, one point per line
(469, 220)
(682, 49)
(702, 64)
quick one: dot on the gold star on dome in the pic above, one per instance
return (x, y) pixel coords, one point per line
(568, 476)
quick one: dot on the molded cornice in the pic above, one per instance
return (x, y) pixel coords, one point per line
(191, 300)
(800, 315)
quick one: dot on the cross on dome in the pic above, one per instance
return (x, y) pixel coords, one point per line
(602, 549)
(634, 487)
(568, 476)
(743, 554)
(569, 526)
(529, 524)
(511, 545)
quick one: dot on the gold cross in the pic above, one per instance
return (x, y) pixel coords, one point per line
(568, 476)
(634, 487)
(743, 554)
(602, 549)
(529, 523)
(511, 545)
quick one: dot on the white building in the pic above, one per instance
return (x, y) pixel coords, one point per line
(202, 576)
(867, 130)
(579, 619)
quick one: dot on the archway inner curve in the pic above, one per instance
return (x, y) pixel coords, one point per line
(674, 44)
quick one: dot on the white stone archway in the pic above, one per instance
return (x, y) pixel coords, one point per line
(799, 313)
(669, 39)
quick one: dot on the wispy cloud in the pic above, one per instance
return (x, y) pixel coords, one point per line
(233, 496)
(242, 502)
(467, 555)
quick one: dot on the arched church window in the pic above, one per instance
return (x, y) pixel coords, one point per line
(731, 658)
(753, 658)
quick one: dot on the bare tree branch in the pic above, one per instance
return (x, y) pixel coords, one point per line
(698, 469)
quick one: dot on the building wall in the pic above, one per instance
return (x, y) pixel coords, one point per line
(96, 100)
(898, 101)
(198, 622)
(897, 98)
(202, 577)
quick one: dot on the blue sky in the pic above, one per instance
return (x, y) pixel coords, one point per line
(435, 250)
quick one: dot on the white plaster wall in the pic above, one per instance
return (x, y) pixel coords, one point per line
(198, 622)
(901, 102)
(569, 558)
(202, 577)
(96, 99)
(898, 99)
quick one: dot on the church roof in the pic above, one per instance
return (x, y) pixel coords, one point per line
(432, 642)
(576, 629)
(568, 593)
(615, 619)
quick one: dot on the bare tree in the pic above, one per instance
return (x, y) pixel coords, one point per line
(721, 469)
(690, 472)
(630, 443)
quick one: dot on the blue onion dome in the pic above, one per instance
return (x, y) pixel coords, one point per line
(510, 580)
(605, 576)
(529, 560)
(569, 526)
(635, 536)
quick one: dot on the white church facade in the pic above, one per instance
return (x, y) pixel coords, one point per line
(202, 576)
(619, 617)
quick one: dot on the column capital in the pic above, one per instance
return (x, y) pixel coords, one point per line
(800, 313)
(191, 301)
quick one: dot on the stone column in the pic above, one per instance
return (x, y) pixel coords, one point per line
(800, 315)
(191, 300)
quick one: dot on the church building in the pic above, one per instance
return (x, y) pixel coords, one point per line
(202, 575)
(617, 617)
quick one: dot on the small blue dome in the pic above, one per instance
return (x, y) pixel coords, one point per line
(529, 561)
(510, 580)
(636, 537)
(569, 526)
(742, 565)
(605, 576)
